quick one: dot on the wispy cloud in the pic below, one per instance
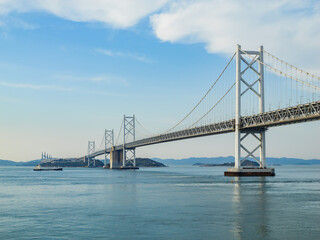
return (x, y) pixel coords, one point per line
(105, 79)
(8, 22)
(134, 56)
(99, 92)
(18, 23)
(120, 14)
(106, 93)
(35, 87)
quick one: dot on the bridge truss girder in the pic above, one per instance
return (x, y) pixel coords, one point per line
(296, 114)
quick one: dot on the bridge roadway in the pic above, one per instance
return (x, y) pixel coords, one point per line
(284, 116)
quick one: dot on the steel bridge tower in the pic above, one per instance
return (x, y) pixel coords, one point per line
(91, 149)
(242, 86)
(129, 130)
(108, 143)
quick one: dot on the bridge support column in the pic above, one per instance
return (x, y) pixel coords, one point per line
(263, 149)
(256, 68)
(116, 159)
(237, 156)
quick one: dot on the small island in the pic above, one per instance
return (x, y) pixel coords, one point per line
(246, 163)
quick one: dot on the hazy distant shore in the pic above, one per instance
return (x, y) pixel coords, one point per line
(140, 162)
(190, 161)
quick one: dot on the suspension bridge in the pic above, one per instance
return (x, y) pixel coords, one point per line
(255, 91)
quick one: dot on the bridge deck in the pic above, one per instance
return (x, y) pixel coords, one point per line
(290, 115)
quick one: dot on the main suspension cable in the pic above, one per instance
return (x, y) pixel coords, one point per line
(119, 133)
(204, 95)
(144, 127)
(285, 74)
(213, 106)
(298, 69)
(101, 143)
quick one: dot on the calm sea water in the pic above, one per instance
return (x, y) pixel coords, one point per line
(159, 203)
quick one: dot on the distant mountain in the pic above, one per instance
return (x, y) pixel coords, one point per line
(29, 163)
(192, 161)
(221, 160)
(293, 161)
(13, 163)
(7, 163)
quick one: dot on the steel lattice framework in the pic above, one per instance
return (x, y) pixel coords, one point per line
(242, 87)
(91, 150)
(129, 130)
(108, 143)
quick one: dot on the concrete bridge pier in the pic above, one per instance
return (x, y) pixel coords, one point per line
(116, 160)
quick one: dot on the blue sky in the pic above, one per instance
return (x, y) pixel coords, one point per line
(67, 72)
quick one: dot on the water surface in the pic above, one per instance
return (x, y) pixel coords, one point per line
(182, 202)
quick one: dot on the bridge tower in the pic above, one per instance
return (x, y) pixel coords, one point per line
(129, 131)
(244, 66)
(108, 143)
(91, 149)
